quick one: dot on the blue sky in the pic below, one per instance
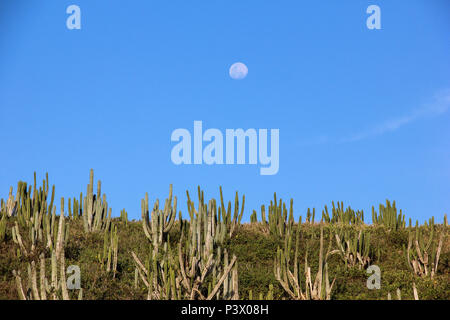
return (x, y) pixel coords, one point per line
(363, 114)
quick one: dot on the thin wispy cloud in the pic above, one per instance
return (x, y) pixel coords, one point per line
(440, 104)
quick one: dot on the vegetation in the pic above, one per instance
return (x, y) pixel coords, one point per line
(212, 255)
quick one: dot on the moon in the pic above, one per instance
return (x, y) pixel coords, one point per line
(238, 71)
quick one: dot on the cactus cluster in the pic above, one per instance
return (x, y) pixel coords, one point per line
(158, 223)
(279, 222)
(388, 216)
(354, 251)
(124, 216)
(200, 269)
(95, 213)
(56, 287)
(231, 223)
(33, 215)
(291, 279)
(341, 216)
(422, 256)
(192, 262)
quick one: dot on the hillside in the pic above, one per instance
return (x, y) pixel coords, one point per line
(211, 254)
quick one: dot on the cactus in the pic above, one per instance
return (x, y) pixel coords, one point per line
(280, 223)
(124, 216)
(207, 223)
(354, 251)
(161, 222)
(310, 217)
(423, 261)
(197, 271)
(55, 288)
(388, 216)
(3, 223)
(32, 214)
(157, 275)
(290, 280)
(95, 213)
(11, 204)
(341, 216)
(231, 224)
(254, 217)
(187, 278)
(108, 257)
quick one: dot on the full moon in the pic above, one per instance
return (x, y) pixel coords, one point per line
(238, 71)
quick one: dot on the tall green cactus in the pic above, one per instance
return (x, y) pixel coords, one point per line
(157, 226)
(424, 260)
(108, 257)
(341, 216)
(124, 216)
(290, 279)
(55, 288)
(388, 216)
(355, 251)
(207, 221)
(95, 213)
(3, 223)
(231, 223)
(280, 223)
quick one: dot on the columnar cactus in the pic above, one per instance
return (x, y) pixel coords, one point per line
(197, 271)
(280, 223)
(424, 260)
(55, 288)
(254, 217)
(355, 251)
(388, 216)
(32, 213)
(2, 228)
(188, 276)
(124, 216)
(157, 227)
(230, 223)
(108, 257)
(207, 224)
(341, 216)
(96, 216)
(290, 279)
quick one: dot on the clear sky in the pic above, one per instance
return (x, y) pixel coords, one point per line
(363, 114)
